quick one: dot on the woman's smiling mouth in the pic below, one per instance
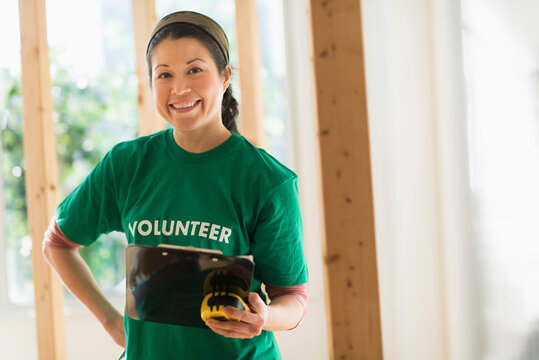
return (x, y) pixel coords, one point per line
(184, 106)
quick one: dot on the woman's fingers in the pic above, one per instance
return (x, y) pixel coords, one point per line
(234, 329)
(250, 323)
(244, 316)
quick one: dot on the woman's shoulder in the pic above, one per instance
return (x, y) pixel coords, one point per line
(138, 146)
(260, 163)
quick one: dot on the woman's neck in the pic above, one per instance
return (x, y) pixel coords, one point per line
(201, 141)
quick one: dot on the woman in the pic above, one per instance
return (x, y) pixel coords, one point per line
(234, 196)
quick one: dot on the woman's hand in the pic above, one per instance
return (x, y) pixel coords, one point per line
(115, 327)
(250, 324)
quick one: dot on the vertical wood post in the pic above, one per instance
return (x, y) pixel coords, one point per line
(350, 253)
(144, 20)
(250, 63)
(41, 182)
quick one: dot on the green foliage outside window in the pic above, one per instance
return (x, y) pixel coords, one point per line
(93, 113)
(90, 116)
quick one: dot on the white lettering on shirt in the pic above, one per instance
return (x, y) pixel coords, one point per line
(194, 225)
(225, 233)
(156, 228)
(187, 228)
(184, 228)
(132, 228)
(203, 229)
(164, 228)
(148, 231)
(214, 231)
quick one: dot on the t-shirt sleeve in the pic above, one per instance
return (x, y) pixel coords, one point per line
(92, 208)
(277, 243)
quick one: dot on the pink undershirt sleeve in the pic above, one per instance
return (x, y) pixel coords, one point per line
(55, 239)
(297, 291)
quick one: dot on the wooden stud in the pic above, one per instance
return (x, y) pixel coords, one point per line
(144, 20)
(350, 250)
(250, 63)
(41, 182)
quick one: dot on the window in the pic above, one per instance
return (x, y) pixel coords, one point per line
(15, 244)
(94, 96)
(274, 79)
(94, 89)
(94, 92)
(501, 66)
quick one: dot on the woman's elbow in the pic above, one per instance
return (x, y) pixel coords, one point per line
(47, 252)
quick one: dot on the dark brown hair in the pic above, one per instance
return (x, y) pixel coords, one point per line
(229, 105)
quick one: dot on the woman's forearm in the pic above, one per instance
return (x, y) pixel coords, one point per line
(284, 313)
(77, 277)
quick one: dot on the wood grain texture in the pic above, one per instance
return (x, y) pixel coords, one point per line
(144, 20)
(250, 63)
(350, 248)
(41, 182)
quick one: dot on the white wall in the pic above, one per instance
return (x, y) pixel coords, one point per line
(85, 338)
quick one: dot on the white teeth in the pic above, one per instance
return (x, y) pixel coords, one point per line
(184, 105)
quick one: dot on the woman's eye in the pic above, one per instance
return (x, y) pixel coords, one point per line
(195, 70)
(163, 75)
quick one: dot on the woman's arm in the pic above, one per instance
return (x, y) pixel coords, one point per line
(77, 277)
(285, 313)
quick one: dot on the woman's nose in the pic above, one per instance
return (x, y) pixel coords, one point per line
(181, 88)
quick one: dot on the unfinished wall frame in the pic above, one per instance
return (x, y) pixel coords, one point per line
(250, 63)
(41, 181)
(144, 20)
(353, 308)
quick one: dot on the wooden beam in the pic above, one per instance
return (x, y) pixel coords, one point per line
(144, 20)
(250, 63)
(41, 182)
(350, 250)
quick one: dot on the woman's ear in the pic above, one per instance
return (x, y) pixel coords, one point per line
(227, 76)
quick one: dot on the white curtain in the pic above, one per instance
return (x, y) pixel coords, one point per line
(418, 131)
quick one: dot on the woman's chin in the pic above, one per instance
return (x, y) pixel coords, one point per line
(184, 125)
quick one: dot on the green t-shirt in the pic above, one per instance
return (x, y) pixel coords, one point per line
(235, 198)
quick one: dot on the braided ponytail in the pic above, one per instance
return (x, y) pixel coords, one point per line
(229, 111)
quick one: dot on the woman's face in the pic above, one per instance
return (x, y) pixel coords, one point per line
(187, 87)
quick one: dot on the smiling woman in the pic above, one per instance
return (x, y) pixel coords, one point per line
(187, 65)
(201, 168)
(94, 94)
(188, 89)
